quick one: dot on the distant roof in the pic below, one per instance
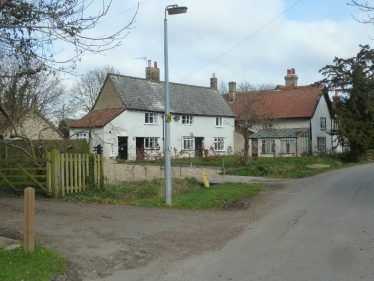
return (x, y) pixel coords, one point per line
(280, 103)
(141, 94)
(5, 124)
(97, 118)
(279, 133)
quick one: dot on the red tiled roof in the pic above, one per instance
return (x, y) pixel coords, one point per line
(286, 102)
(97, 118)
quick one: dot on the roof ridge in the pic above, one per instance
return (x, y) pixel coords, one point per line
(160, 82)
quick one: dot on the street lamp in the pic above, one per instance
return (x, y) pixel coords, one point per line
(171, 10)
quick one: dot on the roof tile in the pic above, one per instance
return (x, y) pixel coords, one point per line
(286, 102)
(142, 94)
(97, 118)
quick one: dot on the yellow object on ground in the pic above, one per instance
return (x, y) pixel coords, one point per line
(205, 178)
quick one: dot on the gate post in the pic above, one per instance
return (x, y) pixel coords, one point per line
(55, 172)
(29, 220)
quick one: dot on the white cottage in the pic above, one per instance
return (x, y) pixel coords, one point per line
(127, 119)
(299, 119)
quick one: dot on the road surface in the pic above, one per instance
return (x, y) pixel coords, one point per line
(324, 232)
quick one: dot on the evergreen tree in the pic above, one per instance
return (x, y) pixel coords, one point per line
(354, 78)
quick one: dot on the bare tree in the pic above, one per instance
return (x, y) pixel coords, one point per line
(222, 87)
(245, 86)
(251, 114)
(31, 30)
(87, 88)
(42, 92)
(366, 7)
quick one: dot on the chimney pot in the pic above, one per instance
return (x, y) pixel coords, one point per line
(291, 78)
(232, 91)
(214, 82)
(152, 73)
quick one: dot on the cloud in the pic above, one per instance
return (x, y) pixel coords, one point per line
(211, 28)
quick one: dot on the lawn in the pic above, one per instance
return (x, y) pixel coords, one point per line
(187, 194)
(287, 167)
(41, 265)
(279, 167)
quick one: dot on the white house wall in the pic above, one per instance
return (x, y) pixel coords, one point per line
(322, 110)
(291, 123)
(94, 136)
(131, 124)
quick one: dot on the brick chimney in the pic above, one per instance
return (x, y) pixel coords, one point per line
(214, 82)
(152, 73)
(232, 91)
(335, 99)
(291, 78)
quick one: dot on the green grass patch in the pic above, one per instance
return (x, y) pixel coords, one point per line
(287, 167)
(206, 198)
(187, 194)
(41, 265)
(120, 194)
(279, 167)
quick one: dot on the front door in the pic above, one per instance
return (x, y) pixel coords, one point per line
(139, 148)
(199, 147)
(122, 148)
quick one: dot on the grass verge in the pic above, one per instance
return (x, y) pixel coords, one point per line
(287, 167)
(187, 194)
(278, 167)
(214, 197)
(41, 265)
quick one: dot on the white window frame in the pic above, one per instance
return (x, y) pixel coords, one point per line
(187, 119)
(267, 146)
(188, 143)
(219, 122)
(287, 146)
(150, 118)
(82, 136)
(150, 143)
(322, 123)
(219, 144)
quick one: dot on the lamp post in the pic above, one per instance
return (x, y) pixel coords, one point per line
(171, 10)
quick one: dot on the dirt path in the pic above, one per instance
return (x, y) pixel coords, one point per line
(100, 240)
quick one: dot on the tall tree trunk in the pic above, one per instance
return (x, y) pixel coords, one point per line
(246, 146)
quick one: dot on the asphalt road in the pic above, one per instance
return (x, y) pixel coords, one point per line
(324, 232)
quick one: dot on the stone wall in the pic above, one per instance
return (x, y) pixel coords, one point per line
(117, 172)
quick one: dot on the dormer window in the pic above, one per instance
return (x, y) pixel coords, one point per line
(150, 118)
(187, 119)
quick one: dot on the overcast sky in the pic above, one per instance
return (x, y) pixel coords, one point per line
(239, 40)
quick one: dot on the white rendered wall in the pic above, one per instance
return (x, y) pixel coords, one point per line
(291, 123)
(131, 124)
(96, 135)
(322, 110)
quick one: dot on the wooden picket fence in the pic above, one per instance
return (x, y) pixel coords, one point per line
(73, 172)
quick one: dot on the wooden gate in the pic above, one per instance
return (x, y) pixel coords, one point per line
(58, 174)
(18, 174)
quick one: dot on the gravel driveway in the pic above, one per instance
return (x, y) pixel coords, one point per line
(100, 240)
